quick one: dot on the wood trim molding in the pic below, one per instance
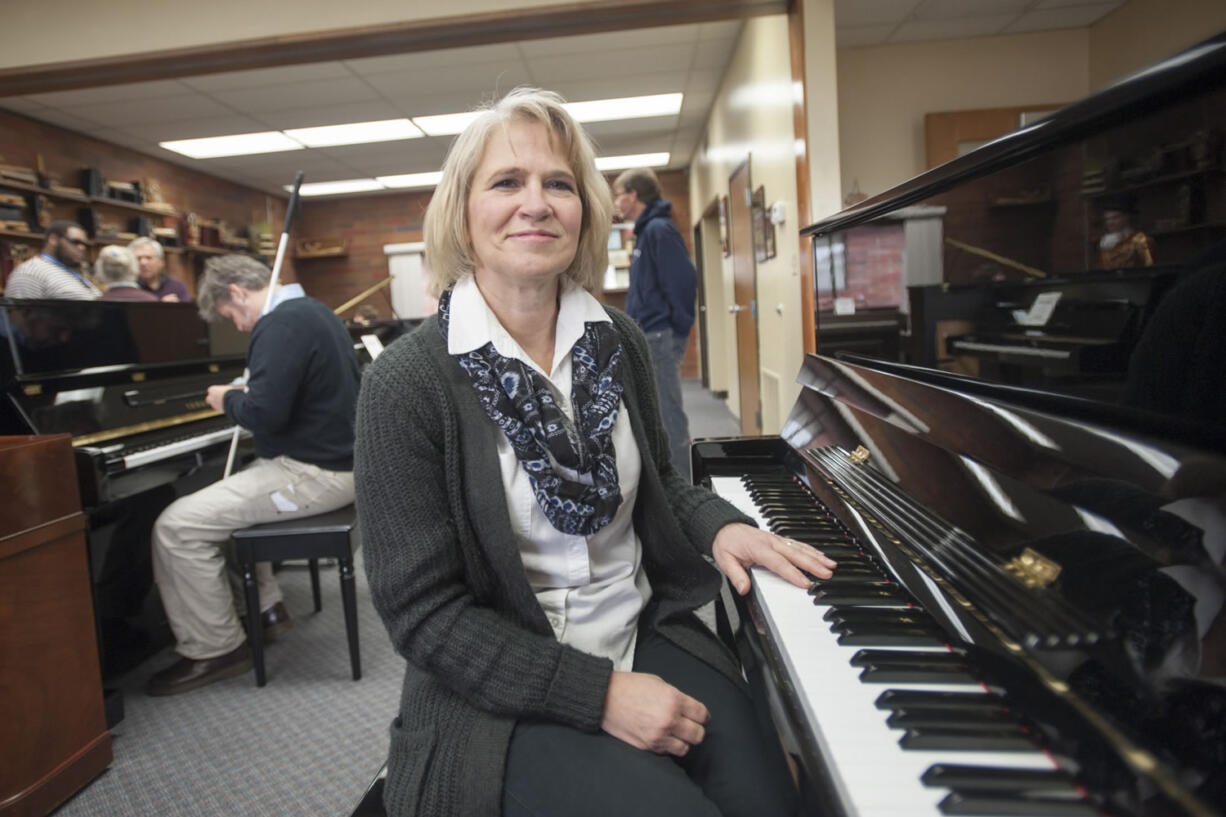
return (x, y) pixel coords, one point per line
(368, 41)
(800, 125)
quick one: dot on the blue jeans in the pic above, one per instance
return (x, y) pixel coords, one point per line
(667, 352)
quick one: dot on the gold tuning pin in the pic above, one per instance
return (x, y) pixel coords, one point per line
(1033, 569)
(859, 456)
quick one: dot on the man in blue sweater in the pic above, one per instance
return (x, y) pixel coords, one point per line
(299, 404)
(663, 286)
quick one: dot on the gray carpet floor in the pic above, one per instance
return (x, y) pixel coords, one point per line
(307, 743)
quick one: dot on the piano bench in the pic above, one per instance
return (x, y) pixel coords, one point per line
(323, 536)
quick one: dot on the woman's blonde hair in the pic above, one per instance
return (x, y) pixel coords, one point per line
(116, 265)
(449, 249)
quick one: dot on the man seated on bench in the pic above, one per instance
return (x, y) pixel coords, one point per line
(299, 406)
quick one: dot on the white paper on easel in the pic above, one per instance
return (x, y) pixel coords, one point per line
(1040, 311)
(373, 345)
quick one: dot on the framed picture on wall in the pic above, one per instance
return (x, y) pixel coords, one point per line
(763, 230)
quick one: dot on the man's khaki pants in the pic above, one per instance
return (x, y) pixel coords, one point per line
(191, 539)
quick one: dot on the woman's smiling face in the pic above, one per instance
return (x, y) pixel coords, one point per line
(524, 211)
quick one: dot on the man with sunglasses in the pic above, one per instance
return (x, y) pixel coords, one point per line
(56, 272)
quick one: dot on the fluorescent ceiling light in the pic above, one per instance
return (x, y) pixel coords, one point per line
(236, 144)
(337, 187)
(411, 179)
(631, 160)
(445, 124)
(627, 107)
(355, 133)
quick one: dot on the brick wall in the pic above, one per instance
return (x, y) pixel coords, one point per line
(873, 263)
(66, 152)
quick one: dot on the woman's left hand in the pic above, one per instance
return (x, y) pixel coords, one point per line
(738, 547)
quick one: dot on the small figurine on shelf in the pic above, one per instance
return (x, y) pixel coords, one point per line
(1122, 246)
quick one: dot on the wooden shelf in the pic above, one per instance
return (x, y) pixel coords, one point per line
(1187, 228)
(49, 193)
(39, 237)
(1170, 178)
(127, 205)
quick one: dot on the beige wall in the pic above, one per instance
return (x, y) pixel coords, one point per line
(822, 109)
(123, 27)
(1142, 32)
(885, 91)
(752, 117)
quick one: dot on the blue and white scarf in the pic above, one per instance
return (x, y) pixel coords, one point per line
(522, 405)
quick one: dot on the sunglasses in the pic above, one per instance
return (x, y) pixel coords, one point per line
(77, 242)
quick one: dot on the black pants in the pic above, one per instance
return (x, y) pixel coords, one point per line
(737, 771)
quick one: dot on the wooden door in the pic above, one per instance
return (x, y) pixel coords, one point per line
(949, 133)
(744, 295)
(699, 266)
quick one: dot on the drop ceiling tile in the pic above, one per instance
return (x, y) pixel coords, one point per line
(611, 63)
(65, 119)
(423, 64)
(135, 113)
(856, 36)
(720, 30)
(713, 55)
(958, 9)
(1066, 17)
(371, 110)
(255, 101)
(951, 29)
(653, 125)
(872, 12)
(193, 128)
(281, 75)
(112, 93)
(21, 104)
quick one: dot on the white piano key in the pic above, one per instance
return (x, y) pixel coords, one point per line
(873, 775)
(174, 449)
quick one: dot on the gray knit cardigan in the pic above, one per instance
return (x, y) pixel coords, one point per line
(446, 576)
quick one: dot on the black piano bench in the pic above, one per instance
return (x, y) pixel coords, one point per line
(324, 536)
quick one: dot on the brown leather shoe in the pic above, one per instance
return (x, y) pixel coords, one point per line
(276, 621)
(187, 674)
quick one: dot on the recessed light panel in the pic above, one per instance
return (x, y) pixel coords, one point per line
(236, 144)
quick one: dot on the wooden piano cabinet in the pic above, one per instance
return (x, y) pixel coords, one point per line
(53, 737)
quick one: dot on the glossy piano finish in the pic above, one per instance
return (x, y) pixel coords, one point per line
(53, 737)
(1121, 657)
(126, 380)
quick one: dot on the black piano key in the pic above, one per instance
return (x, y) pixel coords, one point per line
(906, 617)
(901, 637)
(952, 717)
(916, 698)
(916, 674)
(985, 804)
(999, 739)
(843, 594)
(863, 658)
(992, 778)
(856, 579)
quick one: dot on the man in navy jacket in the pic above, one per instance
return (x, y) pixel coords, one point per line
(663, 286)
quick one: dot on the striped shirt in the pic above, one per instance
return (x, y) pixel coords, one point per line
(44, 277)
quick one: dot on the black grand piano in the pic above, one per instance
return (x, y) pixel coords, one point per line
(1028, 613)
(127, 381)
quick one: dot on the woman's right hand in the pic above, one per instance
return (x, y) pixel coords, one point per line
(647, 712)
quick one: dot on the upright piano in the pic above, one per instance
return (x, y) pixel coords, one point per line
(127, 381)
(1027, 616)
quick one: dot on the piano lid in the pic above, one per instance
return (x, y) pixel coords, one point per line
(1083, 255)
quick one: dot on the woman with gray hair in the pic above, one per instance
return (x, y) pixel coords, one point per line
(533, 552)
(116, 268)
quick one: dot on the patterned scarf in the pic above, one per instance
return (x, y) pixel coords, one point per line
(522, 405)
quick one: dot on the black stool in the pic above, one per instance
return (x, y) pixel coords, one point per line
(324, 536)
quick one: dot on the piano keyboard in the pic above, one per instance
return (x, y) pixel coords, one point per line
(955, 747)
(177, 447)
(1032, 351)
